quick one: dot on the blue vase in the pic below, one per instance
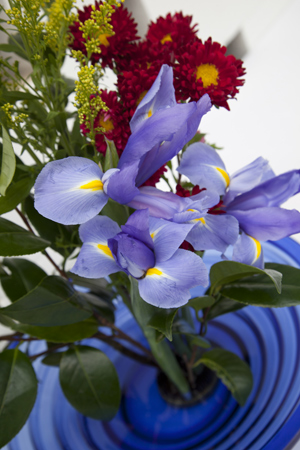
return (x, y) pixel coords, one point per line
(267, 338)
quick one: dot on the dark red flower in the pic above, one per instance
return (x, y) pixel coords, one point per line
(113, 121)
(172, 31)
(204, 68)
(134, 84)
(181, 192)
(118, 47)
(155, 177)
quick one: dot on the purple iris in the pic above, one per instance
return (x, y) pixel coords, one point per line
(146, 248)
(73, 190)
(252, 195)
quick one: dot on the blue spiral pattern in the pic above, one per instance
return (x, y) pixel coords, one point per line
(268, 339)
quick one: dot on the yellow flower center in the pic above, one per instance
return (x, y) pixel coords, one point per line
(103, 39)
(106, 124)
(166, 38)
(208, 73)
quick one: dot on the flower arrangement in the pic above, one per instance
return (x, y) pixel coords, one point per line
(97, 166)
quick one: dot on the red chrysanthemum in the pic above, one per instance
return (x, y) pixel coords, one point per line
(113, 121)
(118, 47)
(133, 84)
(155, 177)
(170, 33)
(205, 69)
(181, 192)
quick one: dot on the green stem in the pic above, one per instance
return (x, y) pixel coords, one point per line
(160, 350)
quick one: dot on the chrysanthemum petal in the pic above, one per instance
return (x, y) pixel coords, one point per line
(248, 250)
(160, 96)
(167, 284)
(167, 237)
(95, 259)
(203, 166)
(270, 223)
(70, 190)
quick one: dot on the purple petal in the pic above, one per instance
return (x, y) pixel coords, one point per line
(248, 177)
(167, 285)
(268, 223)
(95, 259)
(272, 192)
(162, 136)
(203, 166)
(160, 204)
(214, 232)
(70, 190)
(160, 96)
(248, 250)
(167, 237)
(133, 256)
(137, 226)
(120, 186)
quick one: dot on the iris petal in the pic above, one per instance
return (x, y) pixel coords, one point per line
(179, 274)
(204, 167)
(70, 190)
(248, 250)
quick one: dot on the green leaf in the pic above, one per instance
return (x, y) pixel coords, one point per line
(90, 382)
(195, 339)
(49, 230)
(15, 193)
(111, 156)
(160, 350)
(53, 302)
(234, 372)
(223, 306)
(15, 241)
(199, 303)
(53, 359)
(162, 321)
(14, 96)
(118, 213)
(19, 51)
(64, 333)
(18, 389)
(8, 162)
(226, 272)
(259, 290)
(96, 286)
(25, 276)
(103, 308)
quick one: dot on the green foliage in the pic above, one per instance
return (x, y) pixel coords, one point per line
(24, 276)
(162, 320)
(160, 350)
(226, 272)
(90, 382)
(233, 371)
(15, 241)
(53, 302)
(7, 162)
(259, 290)
(18, 389)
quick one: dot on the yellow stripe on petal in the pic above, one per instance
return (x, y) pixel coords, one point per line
(258, 247)
(224, 175)
(201, 219)
(95, 185)
(153, 271)
(106, 250)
